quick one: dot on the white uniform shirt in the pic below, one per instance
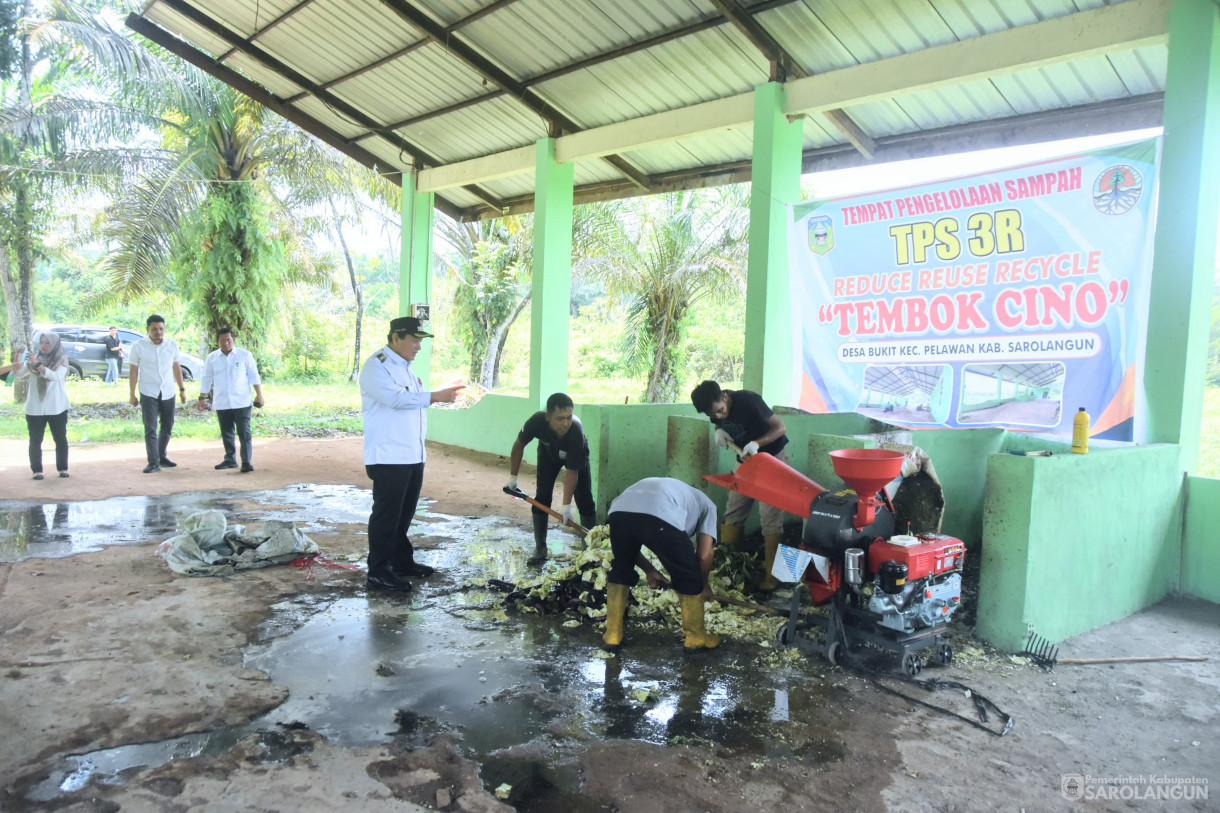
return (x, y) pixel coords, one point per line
(682, 506)
(394, 404)
(156, 363)
(55, 400)
(229, 378)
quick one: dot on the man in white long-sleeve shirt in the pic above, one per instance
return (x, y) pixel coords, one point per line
(228, 374)
(393, 404)
(154, 370)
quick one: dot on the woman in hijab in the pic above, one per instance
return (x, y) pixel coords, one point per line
(46, 402)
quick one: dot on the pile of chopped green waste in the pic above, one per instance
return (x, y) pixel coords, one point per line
(577, 588)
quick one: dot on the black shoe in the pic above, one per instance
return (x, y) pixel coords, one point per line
(63, 474)
(37, 475)
(245, 467)
(167, 463)
(226, 464)
(415, 569)
(151, 468)
(387, 580)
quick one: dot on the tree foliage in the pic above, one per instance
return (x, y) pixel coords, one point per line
(662, 255)
(491, 259)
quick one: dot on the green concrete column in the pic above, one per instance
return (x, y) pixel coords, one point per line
(1185, 247)
(415, 261)
(776, 174)
(552, 275)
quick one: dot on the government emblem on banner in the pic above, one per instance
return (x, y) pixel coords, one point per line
(821, 234)
(1117, 189)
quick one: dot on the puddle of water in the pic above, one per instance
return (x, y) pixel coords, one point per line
(54, 530)
(367, 670)
(111, 765)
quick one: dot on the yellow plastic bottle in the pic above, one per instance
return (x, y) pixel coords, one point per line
(1080, 433)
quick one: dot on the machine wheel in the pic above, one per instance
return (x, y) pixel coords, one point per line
(912, 664)
(75, 373)
(944, 654)
(834, 653)
(782, 636)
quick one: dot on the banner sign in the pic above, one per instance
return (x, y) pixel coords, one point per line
(1010, 298)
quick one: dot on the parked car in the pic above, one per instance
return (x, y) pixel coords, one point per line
(86, 350)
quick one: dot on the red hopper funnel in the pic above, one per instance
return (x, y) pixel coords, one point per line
(772, 481)
(866, 471)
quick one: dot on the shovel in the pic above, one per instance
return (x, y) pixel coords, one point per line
(521, 495)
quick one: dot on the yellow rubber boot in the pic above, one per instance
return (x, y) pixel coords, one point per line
(771, 546)
(730, 535)
(616, 610)
(697, 636)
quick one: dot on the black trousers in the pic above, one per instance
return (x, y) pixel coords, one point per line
(395, 494)
(239, 419)
(548, 473)
(629, 532)
(37, 424)
(156, 441)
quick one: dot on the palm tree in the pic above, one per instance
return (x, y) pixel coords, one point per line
(662, 255)
(491, 259)
(205, 213)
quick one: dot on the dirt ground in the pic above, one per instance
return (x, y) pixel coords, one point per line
(110, 648)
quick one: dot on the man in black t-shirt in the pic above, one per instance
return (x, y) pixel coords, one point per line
(114, 356)
(744, 419)
(561, 444)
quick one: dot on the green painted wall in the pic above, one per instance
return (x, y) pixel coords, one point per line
(415, 262)
(1073, 542)
(775, 172)
(1201, 547)
(491, 425)
(627, 442)
(1184, 248)
(551, 283)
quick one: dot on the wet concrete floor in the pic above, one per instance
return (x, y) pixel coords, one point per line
(373, 669)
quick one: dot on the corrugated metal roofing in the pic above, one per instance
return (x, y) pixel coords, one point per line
(472, 78)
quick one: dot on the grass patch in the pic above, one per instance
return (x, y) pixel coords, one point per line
(101, 413)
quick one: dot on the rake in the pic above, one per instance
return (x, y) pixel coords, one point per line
(1041, 651)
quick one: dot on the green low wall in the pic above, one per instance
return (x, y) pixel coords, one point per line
(1073, 542)
(1069, 542)
(626, 441)
(491, 425)
(1201, 545)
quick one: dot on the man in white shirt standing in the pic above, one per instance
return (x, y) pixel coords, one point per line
(154, 369)
(393, 403)
(228, 374)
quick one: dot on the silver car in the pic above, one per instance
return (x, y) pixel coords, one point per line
(86, 350)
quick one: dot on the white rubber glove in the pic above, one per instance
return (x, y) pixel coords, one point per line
(569, 514)
(511, 485)
(723, 438)
(749, 450)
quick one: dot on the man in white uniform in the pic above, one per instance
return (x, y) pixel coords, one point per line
(228, 374)
(393, 404)
(154, 369)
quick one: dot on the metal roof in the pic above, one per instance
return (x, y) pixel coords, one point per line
(1041, 374)
(653, 95)
(904, 380)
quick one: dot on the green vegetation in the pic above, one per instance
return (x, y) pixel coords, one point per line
(101, 413)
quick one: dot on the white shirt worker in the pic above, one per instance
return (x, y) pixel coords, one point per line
(230, 378)
(394, 405)
(156, 363)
